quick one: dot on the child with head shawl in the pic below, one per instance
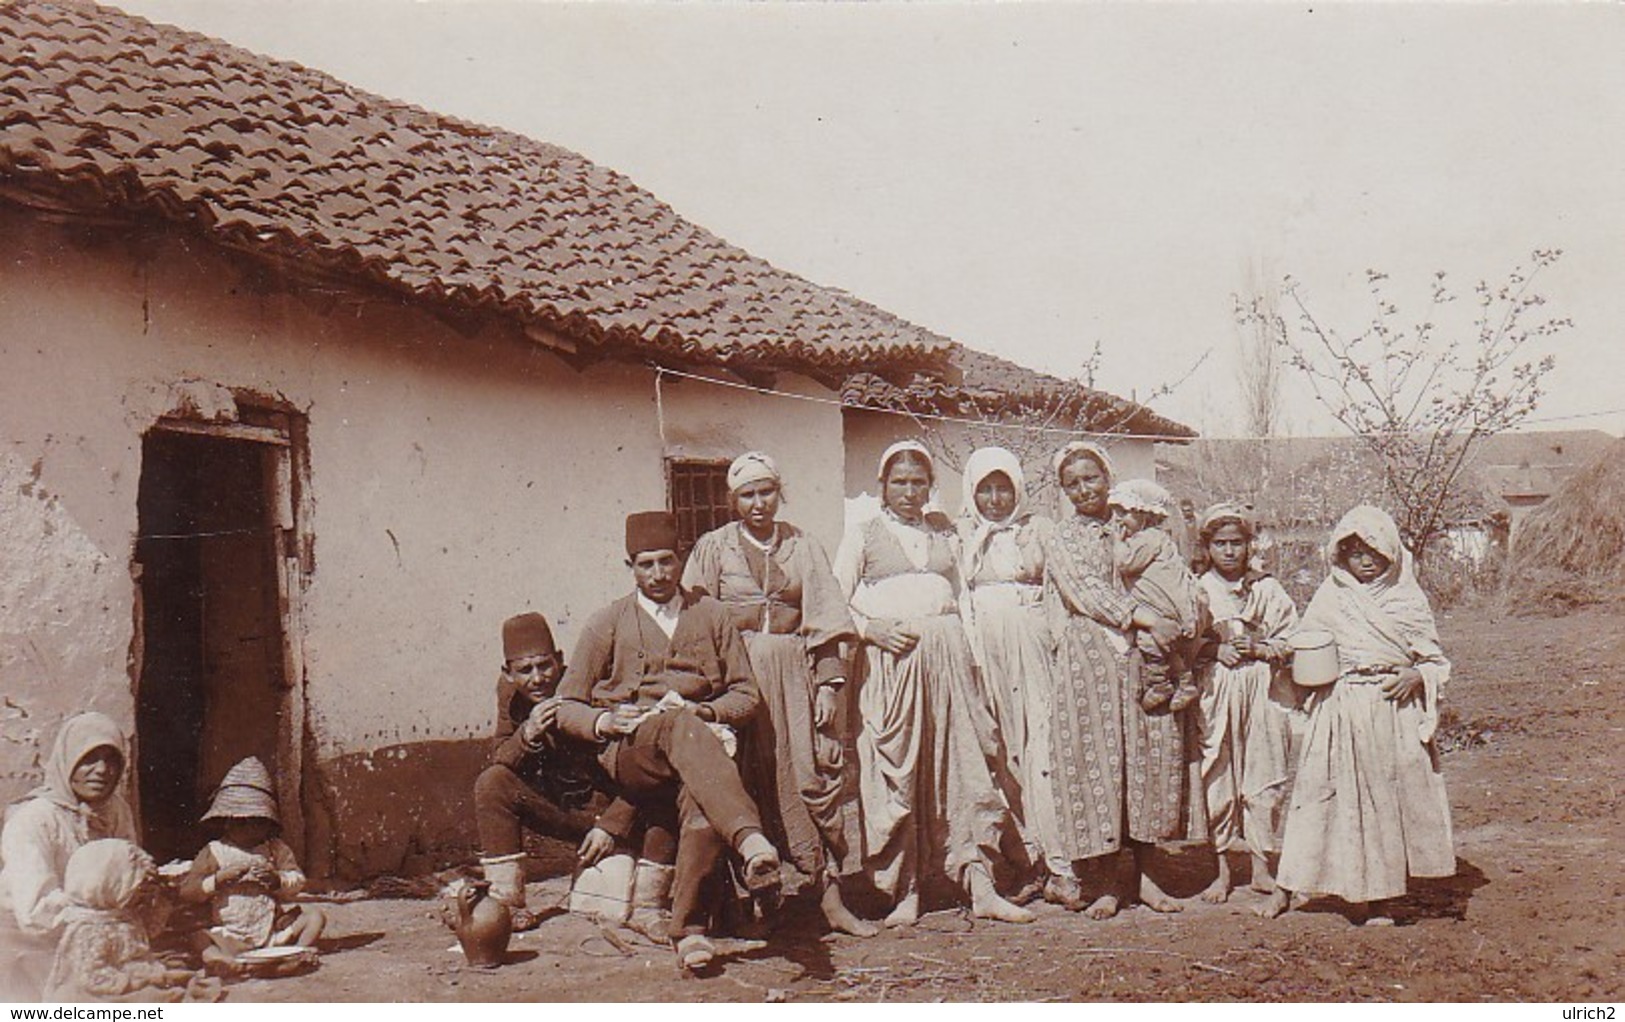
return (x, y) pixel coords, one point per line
(248, 874)
(1246, 697)
(1369, 809)
(104, 953)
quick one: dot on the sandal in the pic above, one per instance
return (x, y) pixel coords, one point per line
(695, 952)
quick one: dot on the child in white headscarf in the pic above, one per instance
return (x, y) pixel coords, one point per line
(1369, 809)
(104, 953)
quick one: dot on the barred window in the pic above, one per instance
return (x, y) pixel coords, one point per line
(697, 492)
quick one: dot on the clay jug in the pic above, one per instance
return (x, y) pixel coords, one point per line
(483, 925)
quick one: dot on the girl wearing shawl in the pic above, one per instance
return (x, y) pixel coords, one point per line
(928, 799)
(1245, 698)
(1369, 808)
(1002, 565)
(776, 580)
(104, 953)
(1119, 770)
(78, 803)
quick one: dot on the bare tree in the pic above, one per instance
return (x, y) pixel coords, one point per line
(1258, 366)
(1031, 426)
(1420, 397)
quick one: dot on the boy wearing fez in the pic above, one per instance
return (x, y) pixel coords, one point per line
(652, 673)
(537, 778)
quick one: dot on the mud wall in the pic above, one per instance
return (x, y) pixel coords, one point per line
(454, 480)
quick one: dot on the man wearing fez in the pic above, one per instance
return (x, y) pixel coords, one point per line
(650, 676)
(537, 778)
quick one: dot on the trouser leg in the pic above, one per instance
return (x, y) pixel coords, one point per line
(504, 806)
(699, 846)
(677, 746)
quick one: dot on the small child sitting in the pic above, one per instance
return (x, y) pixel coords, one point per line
(104, 953)
(248, 874)
(1155, 574)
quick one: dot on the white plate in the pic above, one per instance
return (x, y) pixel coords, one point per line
(273, 954)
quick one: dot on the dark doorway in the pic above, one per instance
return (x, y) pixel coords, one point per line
(211, 688)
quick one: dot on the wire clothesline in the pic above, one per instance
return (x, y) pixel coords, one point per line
(664, 371)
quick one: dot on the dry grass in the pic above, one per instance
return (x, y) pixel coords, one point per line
(1570, 551)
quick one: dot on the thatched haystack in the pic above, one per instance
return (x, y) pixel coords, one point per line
(1571, 549)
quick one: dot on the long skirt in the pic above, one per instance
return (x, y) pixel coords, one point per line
(1244, 729)
(928, 800)
(1014, 640)
(792, 769)
(1369, 807)
(1119, 772)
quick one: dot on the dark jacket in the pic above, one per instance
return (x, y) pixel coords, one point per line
(563, 770)
(624, 657)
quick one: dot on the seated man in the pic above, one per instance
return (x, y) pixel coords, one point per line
(650, 672)
(537, 779)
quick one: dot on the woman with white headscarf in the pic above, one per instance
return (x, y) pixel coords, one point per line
(927, 797)
(1120, 770)
(77, 803)
(777, 583)
(1369, 809)
(1002, 566)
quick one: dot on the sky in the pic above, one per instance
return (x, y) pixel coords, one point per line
(1034, 179)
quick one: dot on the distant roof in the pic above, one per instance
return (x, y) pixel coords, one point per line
(1510, 466)
(101, 111)
(979, 384)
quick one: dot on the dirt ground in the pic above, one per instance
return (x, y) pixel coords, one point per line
(1534, 762)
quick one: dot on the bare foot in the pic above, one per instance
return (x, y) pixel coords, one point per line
(1218, 892)
(1280, 901)
(1156, 899)
(991, 906)
(1104, 907)
(907, 912)
(985, 902)
(840, 918)
(1263, 880)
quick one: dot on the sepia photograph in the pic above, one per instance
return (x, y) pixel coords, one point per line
(520, 501)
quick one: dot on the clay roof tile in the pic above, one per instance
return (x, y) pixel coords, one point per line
(267, 153)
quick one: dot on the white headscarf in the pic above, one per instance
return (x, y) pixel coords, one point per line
(104, 875)
(978, 528)
(1066, 453)
(899, 447)
(1088, 447)
(751, 467)
(1384, 621)
(80, 735)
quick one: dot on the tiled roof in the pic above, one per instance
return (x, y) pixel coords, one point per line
(989, 386)
(104, 111)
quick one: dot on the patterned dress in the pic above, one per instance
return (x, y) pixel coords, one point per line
(927, 798)
(785, 602)
(1119, 772)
